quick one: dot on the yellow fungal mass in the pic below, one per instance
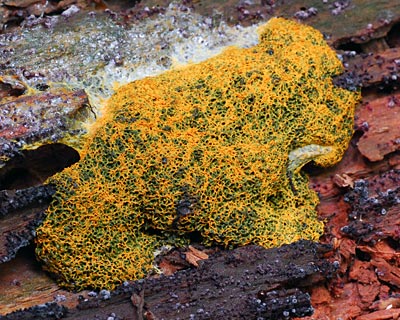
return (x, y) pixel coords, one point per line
(212, 149)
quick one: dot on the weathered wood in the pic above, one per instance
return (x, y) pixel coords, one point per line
(49, 310)
(246, 283)
(376, 69)
(230, 284)
(378, 120)
(21, 212)
(42, 118)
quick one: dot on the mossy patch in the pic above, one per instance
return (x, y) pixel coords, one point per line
(213, 148)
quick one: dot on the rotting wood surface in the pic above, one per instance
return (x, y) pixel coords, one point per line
(246, 283)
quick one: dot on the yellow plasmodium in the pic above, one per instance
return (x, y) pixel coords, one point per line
(201, 149)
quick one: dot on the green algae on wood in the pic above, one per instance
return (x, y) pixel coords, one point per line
(211, 148)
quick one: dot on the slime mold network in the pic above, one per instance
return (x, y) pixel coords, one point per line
(213, 148)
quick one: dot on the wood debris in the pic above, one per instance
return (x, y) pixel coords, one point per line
(194, 255)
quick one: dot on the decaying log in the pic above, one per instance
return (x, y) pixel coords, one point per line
(21, 212)
(246, 283)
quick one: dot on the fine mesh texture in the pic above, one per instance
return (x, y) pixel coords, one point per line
(203, 149)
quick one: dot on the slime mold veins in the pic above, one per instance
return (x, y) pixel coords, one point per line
(213, 148)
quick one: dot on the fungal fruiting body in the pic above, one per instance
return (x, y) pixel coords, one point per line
(213, 148)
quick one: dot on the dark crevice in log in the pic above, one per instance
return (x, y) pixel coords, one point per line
(33, 167)
(350, 46)
(393, 36)
(22, 210)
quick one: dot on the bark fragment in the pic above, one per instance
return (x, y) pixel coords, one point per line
(375, 208)
(21, 212)
(47, 311)
(378, 120)
(375, 69)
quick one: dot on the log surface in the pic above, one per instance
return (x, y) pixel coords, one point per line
(246, 283)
